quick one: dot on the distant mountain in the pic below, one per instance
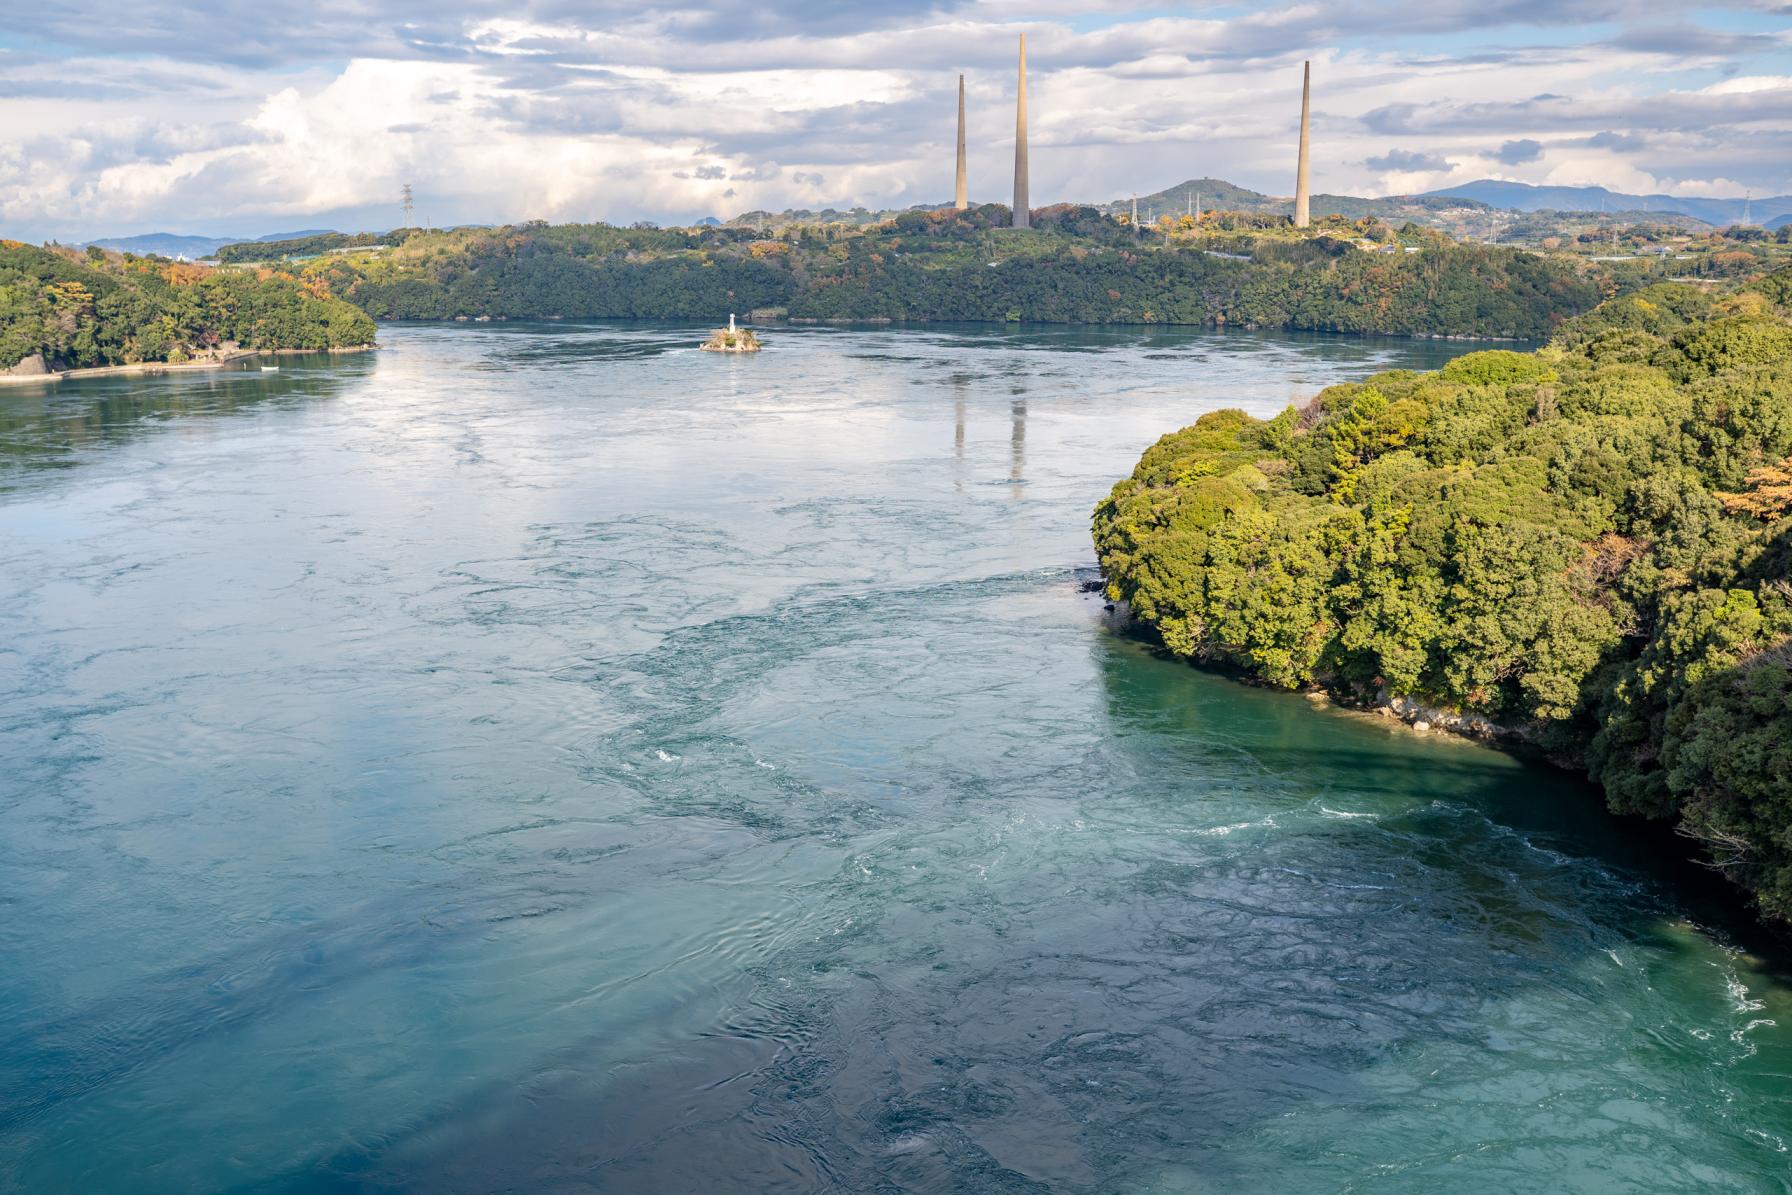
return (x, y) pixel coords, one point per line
(169, 244)
(163, 244)
(1524, 197)
(1215, 194)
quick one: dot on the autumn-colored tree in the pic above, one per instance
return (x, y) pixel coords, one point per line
(1769, 492)
(76, 310)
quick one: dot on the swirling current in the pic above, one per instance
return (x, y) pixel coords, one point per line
(548, 758)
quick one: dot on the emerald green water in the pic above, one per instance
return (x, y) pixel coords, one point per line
(550, 758)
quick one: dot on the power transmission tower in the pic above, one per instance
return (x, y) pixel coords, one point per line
(409, 206)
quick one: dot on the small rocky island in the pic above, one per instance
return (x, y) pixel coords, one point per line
(731, 339)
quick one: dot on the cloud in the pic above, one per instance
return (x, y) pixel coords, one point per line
(210, 115)
(1735, 103)
(1517, 153)
(1685, 41)
(1407, 160)
(1616, 142)
(735, 33)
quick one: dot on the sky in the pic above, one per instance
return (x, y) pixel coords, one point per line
(226, 118)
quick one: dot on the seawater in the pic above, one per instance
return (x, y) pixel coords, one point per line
(551, 758)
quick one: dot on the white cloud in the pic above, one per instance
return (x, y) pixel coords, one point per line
(1748, 84)
(546, 110)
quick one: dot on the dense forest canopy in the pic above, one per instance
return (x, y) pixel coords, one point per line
(1591, 543)
(1247, 268)
(77, 310)
(1078, 265)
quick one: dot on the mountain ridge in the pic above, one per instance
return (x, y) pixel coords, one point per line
(1215, 194)
(1479, 195)
(183, 245)
(1529, 197)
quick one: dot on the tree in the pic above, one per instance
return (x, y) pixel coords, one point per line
(1769, 492)
(1543, 539)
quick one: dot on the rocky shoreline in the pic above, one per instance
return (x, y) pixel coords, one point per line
(21, 374)
(1409, 711)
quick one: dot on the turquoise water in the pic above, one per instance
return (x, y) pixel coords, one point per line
(550, 758)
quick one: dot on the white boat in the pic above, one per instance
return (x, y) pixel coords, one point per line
(270, 369)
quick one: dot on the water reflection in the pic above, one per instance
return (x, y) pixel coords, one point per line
(1017, 443)
(56, 425)
(960, 386)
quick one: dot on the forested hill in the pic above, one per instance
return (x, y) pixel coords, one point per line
(77, 310)
(1212, 194)
(1592, 543)
(1078, 266)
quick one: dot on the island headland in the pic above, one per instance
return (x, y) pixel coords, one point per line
(1589, 546)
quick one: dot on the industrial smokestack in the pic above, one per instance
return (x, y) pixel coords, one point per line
(961, 194)
(1022, 206)
(1301, 192)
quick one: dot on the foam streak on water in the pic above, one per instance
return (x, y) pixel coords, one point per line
(551, 758)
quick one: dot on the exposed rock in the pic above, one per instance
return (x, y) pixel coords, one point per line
(731, 340)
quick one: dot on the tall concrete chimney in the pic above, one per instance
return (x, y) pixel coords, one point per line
(1022, 207)
(1301, 216)
(961, 194)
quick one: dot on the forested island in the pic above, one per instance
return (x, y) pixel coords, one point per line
(63, 310)
(1588, 547)
(1077, 265)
